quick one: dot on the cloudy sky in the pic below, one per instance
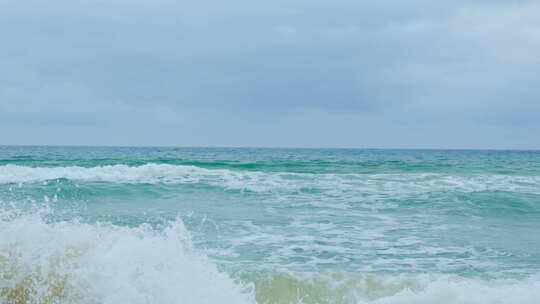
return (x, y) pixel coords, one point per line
(296, 73)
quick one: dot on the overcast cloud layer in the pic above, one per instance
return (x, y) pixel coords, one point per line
(396, 74)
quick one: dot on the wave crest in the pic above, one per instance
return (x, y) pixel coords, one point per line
(72, 262)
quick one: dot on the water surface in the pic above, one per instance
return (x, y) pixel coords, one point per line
(224, 225)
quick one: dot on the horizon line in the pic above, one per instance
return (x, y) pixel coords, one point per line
(267, 147)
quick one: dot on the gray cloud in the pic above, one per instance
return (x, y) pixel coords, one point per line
(302, 73)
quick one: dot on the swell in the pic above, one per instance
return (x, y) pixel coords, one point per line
(307, 166)
(296, 165)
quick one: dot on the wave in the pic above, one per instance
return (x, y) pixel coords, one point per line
(258, 181)
(72, 262)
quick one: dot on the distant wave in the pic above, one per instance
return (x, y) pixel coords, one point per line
(259, 181)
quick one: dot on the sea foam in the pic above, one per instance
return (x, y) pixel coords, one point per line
(72, 262)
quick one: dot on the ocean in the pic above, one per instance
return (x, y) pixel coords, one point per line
(107, 225)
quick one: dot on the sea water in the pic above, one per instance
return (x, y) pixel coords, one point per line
(225, 225)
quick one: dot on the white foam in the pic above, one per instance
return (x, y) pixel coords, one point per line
(455, 290)
(71, 262)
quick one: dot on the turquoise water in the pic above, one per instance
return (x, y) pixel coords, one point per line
(224, 225)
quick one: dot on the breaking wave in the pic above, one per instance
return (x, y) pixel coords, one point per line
(72, 262)
(411, 183)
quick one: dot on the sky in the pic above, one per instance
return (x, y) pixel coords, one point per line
(297, 73)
